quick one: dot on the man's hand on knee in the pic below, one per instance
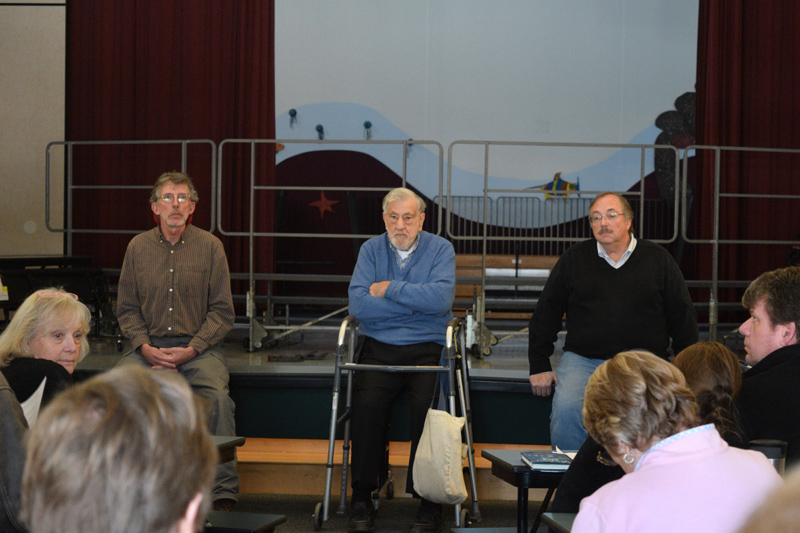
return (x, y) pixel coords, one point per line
(542, 384)
(167, 358)
(178, 356)
(155, 357)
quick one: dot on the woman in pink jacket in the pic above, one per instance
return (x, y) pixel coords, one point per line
(678, 476)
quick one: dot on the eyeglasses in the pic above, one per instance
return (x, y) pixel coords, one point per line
(169, 198)
(597, 217)
(54, 294)
(604, 459)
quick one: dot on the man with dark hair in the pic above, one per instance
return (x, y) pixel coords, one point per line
(402, 293)
(127, 451)
(174, 303)
(769, 401)
(618, 293)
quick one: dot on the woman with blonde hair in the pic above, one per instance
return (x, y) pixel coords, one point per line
(678, 476)
(43, 342)
(38, 352)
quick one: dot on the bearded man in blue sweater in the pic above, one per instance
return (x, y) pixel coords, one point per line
(618, 293)
(402, 293)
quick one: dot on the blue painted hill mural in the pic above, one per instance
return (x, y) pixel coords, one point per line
(346, 122)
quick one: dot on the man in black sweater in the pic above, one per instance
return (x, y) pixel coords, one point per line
(618, 293)
(769, 401)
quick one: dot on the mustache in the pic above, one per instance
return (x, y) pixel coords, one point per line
(605, 230)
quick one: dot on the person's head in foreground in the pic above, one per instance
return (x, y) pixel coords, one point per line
(126, 451)
(50, 324)
(713, 373)
(634, 401)
(773, 300)
(781, 509)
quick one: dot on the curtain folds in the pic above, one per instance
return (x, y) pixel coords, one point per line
(748, 94)
(172, 69)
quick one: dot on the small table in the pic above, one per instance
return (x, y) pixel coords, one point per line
(226, 447)
(508, 466)
(559, 522)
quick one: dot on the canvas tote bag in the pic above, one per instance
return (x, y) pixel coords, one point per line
(438, 463)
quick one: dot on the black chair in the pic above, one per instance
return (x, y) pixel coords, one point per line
(89, 283)
(775, 450)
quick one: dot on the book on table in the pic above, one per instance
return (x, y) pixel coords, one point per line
(545, 460)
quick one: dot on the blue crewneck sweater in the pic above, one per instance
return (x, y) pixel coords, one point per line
(418, 302)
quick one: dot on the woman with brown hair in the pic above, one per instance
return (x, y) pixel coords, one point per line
(714, 375)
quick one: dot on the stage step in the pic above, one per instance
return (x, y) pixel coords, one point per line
(295, 466)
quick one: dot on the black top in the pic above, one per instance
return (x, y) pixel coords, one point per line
(769, 402)
(13, 429)
(25, 374)
(640, 305)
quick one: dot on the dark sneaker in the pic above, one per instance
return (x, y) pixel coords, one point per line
(224, 504)
(362, 518)
(428, 519)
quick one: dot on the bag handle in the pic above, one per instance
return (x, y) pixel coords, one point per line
(440, 390)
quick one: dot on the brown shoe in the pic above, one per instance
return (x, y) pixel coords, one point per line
(224, 504)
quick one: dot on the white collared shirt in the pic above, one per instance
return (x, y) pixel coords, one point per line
(602, 253)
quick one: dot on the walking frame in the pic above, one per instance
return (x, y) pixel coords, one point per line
(457, 374)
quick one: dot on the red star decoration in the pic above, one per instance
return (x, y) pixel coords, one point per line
(323, 204)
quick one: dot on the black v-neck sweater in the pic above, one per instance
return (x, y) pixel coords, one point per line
(640, 305)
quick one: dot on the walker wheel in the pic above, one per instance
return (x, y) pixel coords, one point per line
(317, 517)
(465, 518)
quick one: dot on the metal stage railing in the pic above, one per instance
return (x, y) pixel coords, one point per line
(495, 221)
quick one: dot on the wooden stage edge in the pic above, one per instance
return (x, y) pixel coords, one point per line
(315, 452)
(297, 466)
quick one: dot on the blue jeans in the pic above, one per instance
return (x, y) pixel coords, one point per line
(566, 419)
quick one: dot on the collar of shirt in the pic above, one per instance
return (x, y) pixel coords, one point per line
(673, 438)
(403, 261)
(184, 235)
(602, 253)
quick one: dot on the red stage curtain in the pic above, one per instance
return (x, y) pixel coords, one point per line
(171, 69)
(748, 94)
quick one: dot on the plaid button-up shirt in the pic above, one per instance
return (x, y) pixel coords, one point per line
(176, 290)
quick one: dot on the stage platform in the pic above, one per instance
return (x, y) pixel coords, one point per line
(285, 390)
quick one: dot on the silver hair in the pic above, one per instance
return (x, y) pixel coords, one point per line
(401, 193)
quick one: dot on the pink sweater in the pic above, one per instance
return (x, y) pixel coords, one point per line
(692, 481)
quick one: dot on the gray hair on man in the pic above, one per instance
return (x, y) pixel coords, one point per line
(127, 451)
(401, 193)
(177, 178)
